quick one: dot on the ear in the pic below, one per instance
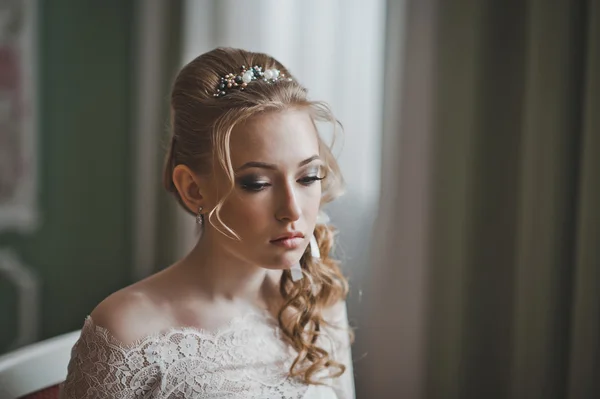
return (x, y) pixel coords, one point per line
(188, 186)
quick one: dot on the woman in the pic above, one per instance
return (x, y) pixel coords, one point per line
(256, 309)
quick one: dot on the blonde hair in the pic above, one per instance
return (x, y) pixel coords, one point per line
(201, 127)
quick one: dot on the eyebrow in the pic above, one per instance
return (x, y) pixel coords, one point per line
(264, 165)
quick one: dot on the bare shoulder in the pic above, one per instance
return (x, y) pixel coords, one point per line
(129, 315)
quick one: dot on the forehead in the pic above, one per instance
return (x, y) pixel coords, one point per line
(281, 138)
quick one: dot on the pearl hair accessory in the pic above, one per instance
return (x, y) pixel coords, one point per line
(246, 76)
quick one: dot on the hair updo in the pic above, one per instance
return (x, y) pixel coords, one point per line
(201, 126)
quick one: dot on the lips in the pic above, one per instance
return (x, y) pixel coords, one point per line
(289, 243)
(289, 240)
(285, 236)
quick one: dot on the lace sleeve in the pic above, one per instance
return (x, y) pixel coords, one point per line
(344, 384)
(101, 368)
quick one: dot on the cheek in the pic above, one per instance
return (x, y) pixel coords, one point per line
(243, 213)
(311, 199)
(250, 213)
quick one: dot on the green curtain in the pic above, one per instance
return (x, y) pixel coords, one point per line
(82, 247)
(88, 70)
(514, 269)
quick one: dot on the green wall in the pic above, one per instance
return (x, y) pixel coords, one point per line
(82, 250)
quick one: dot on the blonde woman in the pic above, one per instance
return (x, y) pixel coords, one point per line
(257, 308)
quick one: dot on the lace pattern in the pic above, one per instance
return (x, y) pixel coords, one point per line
(245, 359)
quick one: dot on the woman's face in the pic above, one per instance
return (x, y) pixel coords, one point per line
(275, 202)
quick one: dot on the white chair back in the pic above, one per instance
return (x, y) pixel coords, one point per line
(36, 366)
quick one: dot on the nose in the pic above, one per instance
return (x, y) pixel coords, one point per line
(288, 207)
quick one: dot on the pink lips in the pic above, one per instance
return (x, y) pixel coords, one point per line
(289, 243)
(289, 240)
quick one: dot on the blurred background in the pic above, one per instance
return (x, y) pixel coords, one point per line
(470, 229)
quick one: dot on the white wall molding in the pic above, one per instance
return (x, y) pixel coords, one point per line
(27, 285)
(19, 114)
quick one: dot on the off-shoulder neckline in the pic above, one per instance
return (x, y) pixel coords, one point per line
(256, 316)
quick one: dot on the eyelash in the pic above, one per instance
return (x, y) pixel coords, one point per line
(256, 187)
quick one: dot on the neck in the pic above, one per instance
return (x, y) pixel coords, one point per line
(222, 276)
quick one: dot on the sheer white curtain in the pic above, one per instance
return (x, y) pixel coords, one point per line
(336, 49)
(396, 295)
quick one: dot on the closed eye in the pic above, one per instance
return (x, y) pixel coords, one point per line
(308, 180)
(254, 186)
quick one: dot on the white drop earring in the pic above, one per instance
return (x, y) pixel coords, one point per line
(199, 216)
(314, 247)
(314, 252)
(296, 272)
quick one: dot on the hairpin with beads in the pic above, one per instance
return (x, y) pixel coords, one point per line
(246, 76)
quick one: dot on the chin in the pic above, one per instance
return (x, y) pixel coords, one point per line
(282, 262)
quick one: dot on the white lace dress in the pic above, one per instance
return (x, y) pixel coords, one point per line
(245, 359)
